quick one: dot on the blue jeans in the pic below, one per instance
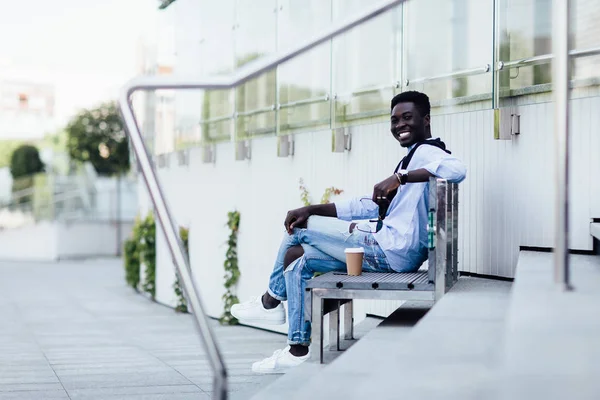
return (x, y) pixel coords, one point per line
(323, 241)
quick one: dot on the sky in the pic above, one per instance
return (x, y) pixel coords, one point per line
(86, 49)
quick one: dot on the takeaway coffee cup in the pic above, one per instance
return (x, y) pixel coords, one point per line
(354, 260)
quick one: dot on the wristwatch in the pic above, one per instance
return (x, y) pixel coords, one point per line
(402, 176)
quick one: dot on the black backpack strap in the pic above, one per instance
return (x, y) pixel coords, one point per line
(403, 164)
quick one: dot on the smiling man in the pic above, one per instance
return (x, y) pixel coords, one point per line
(393, 231)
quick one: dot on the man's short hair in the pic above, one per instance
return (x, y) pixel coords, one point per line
(421, 101)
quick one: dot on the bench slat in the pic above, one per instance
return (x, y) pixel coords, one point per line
(372, 280)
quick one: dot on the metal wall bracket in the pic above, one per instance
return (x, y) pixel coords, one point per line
(515, 125)
(507, 123)
(341, 140)
(285, 146)
(209, 153)
(242, 150)
(183, 157)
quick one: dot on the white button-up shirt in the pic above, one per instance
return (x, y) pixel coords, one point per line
(403, 237)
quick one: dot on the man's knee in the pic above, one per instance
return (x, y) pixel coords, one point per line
(292, 254)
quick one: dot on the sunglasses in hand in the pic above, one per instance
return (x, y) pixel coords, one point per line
(383, 203)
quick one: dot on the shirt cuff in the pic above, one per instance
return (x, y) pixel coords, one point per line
(344, 209)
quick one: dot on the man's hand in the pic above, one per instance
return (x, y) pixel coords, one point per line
(296, 219)
(382, 190)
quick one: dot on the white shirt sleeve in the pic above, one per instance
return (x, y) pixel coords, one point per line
(444, 165)
(356, 208)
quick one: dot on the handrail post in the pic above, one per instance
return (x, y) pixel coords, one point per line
(171, 232)
(561, 80)
(164, 217)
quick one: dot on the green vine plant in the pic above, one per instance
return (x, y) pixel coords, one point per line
(181, 300)
(232, 272)
(325, 199)
(148, 253)
(131, 256)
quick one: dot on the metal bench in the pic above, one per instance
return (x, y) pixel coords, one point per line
(335, 290)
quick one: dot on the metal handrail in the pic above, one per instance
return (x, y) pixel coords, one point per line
(561, 69)
(256, 111)
(217, 119)
(312, 100)
(367, 90)
(163, 212)
(455, 74)
(545, 58)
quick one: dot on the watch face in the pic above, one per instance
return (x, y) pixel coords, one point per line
(403, 176)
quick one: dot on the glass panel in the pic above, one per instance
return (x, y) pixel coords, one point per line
(203, 47)
(365, 64)
(216, 21)
(188, 36)
(307, 78)
(525, 31)
(255, 36)
(163, 61)
(457, 36)
(585, 16)
(255, 101)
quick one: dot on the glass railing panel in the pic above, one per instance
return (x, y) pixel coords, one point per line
(304, 83)
(255, 36)
(458, 37)
(525, 28)
(365, 65)
(585, 15)
(526, 49)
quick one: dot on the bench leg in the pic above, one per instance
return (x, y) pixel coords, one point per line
(334, 329)
(348, 321)
(317, 328)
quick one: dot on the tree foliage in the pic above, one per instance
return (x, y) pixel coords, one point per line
(25, 161)
(98, 136)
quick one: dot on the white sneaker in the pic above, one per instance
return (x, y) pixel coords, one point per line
(279, 363)
(253, 312)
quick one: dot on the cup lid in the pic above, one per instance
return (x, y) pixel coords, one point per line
(354, 250)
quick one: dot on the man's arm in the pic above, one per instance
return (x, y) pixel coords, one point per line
(297, 218)
(388, 185)
(447, 167)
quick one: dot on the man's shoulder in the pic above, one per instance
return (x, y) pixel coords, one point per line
(431, 150)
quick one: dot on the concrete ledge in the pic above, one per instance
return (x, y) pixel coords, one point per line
(453, 351)
(552, 346)
(595, 230)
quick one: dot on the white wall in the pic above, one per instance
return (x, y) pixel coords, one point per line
(5, 185)
(90, 239)
(50, 241)
(106, 199)
(31, 242)
(505, 202)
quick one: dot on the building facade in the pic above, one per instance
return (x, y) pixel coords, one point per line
(472, 57)
(26, 110)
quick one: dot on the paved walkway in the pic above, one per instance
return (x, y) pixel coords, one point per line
(73, 330)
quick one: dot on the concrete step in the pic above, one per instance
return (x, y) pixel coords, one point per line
(287, 384)
(595, 230)
(552, 347)
(451, 352)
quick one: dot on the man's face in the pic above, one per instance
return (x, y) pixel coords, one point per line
(407, 124)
